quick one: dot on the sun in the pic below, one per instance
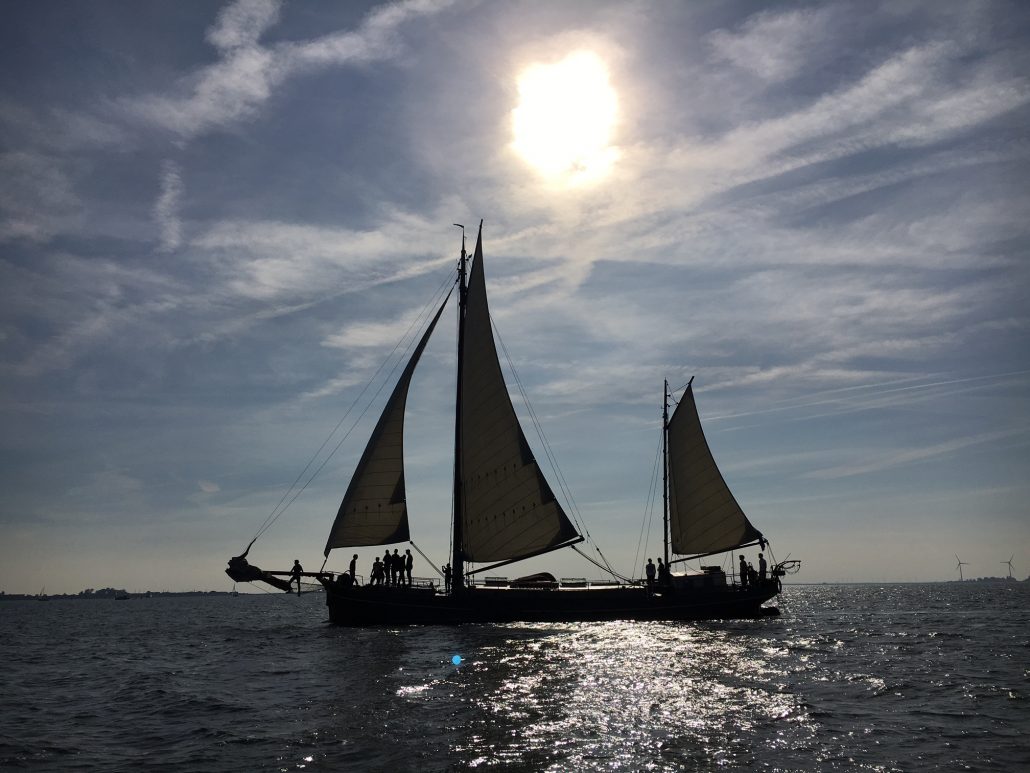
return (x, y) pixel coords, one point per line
(564, 121)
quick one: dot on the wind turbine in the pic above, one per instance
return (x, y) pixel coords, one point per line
(962, 563)
(1009, 562)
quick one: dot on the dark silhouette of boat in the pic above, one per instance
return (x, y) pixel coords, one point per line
(505, 511)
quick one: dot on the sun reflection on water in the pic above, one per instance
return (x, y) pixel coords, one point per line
(612, 694)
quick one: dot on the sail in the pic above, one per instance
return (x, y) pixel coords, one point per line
(509, 510)
(703, 515)
(374, 510)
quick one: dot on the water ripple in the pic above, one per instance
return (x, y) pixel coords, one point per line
(877, 678)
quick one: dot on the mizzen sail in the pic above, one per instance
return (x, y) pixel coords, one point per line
(508, 509)
(704, 517)
(374, 510)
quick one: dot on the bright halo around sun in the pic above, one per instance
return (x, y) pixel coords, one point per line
(565, 118)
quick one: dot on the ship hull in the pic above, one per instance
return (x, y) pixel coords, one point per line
(364, 606)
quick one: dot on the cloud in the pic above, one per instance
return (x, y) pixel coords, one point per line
(238, 85)
(895, 458)
(776, 46)
(242, 23)
(83, 303)
(58, 130)
(269, 259)
(905, 99)
(166, 210)
(37, 197)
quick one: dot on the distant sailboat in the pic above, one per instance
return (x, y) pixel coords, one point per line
(505, 511)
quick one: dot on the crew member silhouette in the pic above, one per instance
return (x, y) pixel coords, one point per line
(409, 562)
(743, 572)
(762, 568)
(354, 568)
(649, 570)
(295, 573)
(447, 577)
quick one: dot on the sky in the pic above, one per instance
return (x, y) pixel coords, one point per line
(217, 221)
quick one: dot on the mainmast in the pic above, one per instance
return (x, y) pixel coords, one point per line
(665, 469)
(457, 554)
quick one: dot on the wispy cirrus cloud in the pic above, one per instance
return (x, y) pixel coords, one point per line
(37, 196)
(166, 209)
(776, 45)
(895, 458)
(247, 73)
(267, 259)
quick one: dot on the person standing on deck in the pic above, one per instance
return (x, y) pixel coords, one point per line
(354, 569)
(762, 568)
(663, 574)
(387, 561)
(295, 574)
(396, 568)
(409, 562)
(743, 572)
(649, 570)
(447, 578)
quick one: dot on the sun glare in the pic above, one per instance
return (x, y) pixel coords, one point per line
(565, 118)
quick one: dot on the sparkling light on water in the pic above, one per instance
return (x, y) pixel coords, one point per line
(850, 678)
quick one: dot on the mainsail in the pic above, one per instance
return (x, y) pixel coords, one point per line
(508, 511)
(374, 510)
(703, 515)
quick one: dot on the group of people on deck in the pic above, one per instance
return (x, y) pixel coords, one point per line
(660, 576)
(393, 569)
(749, 576)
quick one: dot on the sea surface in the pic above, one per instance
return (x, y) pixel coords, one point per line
(850, 677)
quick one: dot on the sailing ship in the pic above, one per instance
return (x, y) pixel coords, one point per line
(505, 511)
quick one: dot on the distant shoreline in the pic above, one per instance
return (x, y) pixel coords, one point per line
(110, 594)
(119, 595)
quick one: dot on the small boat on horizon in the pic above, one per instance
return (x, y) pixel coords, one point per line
(505, 511)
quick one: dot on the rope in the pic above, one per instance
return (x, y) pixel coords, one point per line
(419, 320)
(599, 566)
(652, 495)
(577, 515)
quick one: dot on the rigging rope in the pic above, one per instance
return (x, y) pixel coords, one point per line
(559, 476)
(652, 493)
(616, 575)
(415, 324)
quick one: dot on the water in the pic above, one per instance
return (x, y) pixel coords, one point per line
(893, 677)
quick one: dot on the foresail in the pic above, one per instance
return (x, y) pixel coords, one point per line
(374, 510)
(509, 510)
(704, 517)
